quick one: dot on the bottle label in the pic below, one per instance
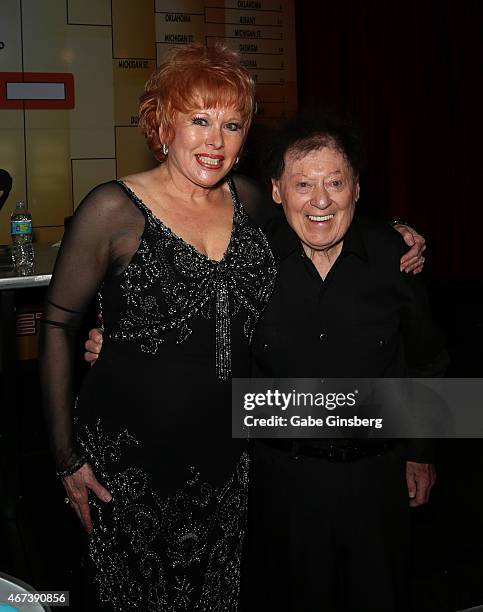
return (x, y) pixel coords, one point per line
(22, 228)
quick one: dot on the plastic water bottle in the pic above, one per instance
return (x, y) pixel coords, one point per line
(21, 231)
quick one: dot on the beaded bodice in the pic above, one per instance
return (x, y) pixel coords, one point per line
(168, 284)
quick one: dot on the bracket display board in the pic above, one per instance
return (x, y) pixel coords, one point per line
(71, 72)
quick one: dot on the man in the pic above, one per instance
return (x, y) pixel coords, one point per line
(330, 518)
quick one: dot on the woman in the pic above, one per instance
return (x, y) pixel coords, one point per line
(181, 275)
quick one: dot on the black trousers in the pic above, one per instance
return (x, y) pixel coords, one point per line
(327, 537)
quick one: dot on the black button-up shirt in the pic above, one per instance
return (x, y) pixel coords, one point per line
(366, 319)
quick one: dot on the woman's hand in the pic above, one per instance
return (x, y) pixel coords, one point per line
(77, 486)
(413, 260)
(93, 346)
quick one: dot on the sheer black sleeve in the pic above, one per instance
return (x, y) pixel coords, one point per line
(100, 240)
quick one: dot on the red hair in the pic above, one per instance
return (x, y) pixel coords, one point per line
(190, 76)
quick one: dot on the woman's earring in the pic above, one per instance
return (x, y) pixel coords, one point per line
(237, 160)
(165, 149)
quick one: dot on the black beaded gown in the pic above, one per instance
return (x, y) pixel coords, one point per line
(153, 417)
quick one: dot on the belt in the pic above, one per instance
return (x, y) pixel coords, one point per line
(341, 451)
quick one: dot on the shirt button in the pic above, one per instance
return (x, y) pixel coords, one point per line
(264, 346)
(323, 335)
(382, 342)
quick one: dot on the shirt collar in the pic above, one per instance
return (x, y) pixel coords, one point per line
(284, 241)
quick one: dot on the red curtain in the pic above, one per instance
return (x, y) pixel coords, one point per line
(410, 72)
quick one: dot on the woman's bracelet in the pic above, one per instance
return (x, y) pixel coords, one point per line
(73, 468)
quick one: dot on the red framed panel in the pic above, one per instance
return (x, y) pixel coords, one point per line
(66, 78)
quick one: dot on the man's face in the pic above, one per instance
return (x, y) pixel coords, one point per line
(318, 193)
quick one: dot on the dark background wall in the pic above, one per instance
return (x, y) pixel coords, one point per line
(410, 72)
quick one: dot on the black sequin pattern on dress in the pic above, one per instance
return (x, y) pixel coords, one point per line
(169, 282)
(164, 540)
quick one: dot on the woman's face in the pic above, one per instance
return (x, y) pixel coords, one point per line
(206, 144)
(318, 193)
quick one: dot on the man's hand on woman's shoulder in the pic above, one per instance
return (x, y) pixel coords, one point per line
(413, 260)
